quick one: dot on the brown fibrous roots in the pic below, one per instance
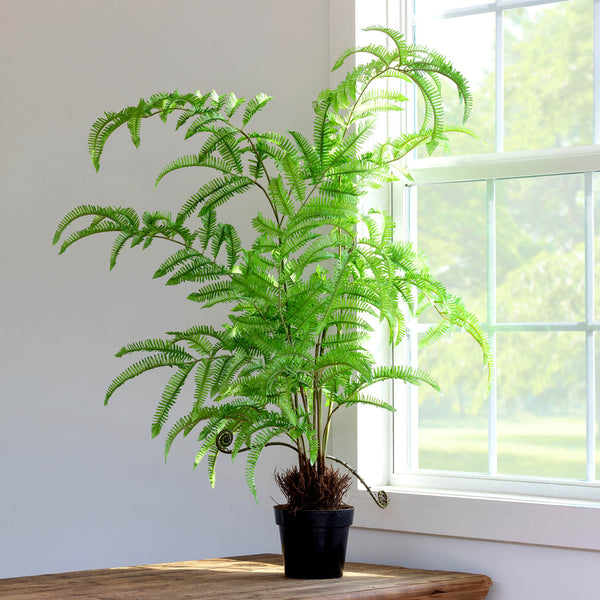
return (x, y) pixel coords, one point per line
(313, 488)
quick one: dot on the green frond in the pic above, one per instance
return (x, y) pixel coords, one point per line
(230, 153)
(346, 320)
(126, 218)
(167, 347)
(395, 36)
(368, 400)
(232, 104)
(256, 104)
(279, 140)
(233, 245)
(185, 423)
(180, 256)
(379, 52)
(103, 227)
(347, 341)
(280, 196)
(197, 271)
(294, 177)
(117, 246)
(348, 149)
(196, 332)
(323, 129)
(311, 159)
(101, 130)
(134, 122)
(202, 380)
(208, 229)
(197, 103)
(142, 366)
(406, 374)
(202, 123)
(258, 157)
(260, 285)
(313, 445)
(258, 445)
(192, 160)
(266, 226)
(215, 293)
(355, 361)
(210, 437)
(196, 160)
(169, 395)
(211, 463)
(224, 370)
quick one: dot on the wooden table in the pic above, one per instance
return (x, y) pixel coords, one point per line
(257, 577)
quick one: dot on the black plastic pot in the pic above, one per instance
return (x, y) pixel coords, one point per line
(313, 542)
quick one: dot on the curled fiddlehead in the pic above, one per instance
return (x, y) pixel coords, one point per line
(224, 440)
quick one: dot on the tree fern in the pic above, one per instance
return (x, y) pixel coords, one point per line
(305, 295)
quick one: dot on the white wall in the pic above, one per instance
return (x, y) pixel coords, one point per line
(83, 486)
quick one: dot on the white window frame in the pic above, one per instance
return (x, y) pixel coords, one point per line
(557, 514)
(581, 160)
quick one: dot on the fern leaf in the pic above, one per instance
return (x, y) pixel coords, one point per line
(169, 395)
(185, 423)
(396, 37)
(134, 122)
(142, 366)
(215, 293)
(126, 218)
(256, 104)
(117, 246)
(104, 227)
(368, 400)
(379, 52)
(294, 177)
(101, 130)
(309, 154)
(175, 260)
(258, 445)
(407, 374)
(155, 345)
(280, 196)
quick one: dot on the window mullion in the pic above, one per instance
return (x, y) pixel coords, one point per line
(499, 93)
(491, 318)
(413, 346)
(590, 385)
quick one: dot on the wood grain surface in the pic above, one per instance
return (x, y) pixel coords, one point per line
(257, 577)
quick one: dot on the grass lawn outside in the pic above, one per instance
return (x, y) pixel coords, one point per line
(544, 446)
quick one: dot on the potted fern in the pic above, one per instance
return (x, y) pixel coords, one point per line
(303, 295)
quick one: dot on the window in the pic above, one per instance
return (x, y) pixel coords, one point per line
(512, 224)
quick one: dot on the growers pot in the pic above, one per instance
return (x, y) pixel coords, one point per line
(313, 542)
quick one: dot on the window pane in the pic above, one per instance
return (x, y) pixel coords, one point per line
(541, 404)
(452, 231)
(453, 427)
(540, 249)
(476, 62)
(548, 75)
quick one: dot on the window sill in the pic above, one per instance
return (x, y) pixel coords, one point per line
(502, 518)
